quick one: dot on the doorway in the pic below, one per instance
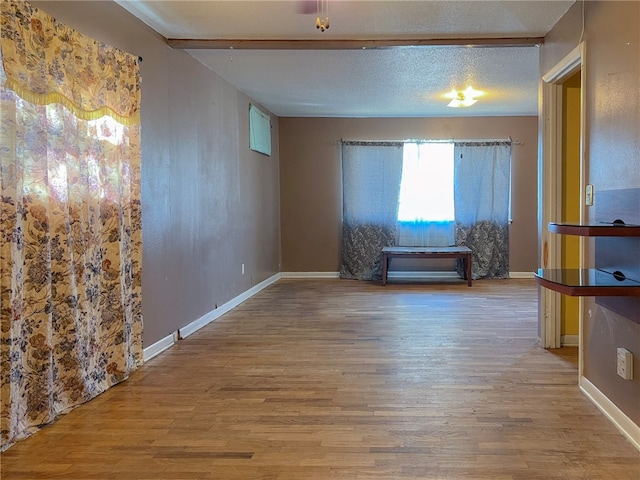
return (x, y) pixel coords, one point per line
(556, 123)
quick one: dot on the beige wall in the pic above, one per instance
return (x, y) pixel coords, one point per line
(209, 204)
(311, 183)
(611, 70)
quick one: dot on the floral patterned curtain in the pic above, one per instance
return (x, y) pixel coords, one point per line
(71, 238)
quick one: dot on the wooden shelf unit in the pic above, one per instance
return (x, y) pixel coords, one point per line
(595, 229)
(591, 281)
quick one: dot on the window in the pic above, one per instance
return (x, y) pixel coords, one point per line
(259, 130)
(426, 188)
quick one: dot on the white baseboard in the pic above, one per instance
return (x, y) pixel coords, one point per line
(226, 307)
(521, 275)
(168, 341)
(310, 274)
(160, 346)
(623, 423)
(570, 340)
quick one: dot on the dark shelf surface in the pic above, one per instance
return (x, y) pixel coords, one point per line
(588, 282)
(595, 229)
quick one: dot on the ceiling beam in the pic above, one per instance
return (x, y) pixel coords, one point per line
(246, 44)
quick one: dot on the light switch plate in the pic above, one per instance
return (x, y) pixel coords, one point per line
(588, 195)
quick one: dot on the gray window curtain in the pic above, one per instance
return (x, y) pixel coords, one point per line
(482, 178)
(371, 174)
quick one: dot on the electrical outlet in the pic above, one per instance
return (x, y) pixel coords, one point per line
(243, 269)
(625, 364)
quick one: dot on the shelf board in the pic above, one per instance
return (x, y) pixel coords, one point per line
(595, 229)
(589, 282)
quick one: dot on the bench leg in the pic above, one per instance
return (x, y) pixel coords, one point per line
(385, 262)
(467, 265)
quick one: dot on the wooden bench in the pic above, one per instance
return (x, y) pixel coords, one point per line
(427, 252)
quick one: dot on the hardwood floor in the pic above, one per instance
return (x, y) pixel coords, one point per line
(337, 379)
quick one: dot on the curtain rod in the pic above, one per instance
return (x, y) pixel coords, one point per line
(388, 143)
(508, 140)
(455, 141)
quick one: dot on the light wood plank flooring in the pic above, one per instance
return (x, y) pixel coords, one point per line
(337, 379)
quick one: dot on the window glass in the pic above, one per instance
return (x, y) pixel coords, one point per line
(426, 189)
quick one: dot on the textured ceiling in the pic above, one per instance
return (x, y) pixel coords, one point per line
(374, 82)
(389, 82)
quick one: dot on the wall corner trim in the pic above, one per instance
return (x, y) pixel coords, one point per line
(624, 424)
(170, 340)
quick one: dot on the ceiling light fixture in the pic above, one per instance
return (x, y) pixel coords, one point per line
(463, 98)
(322, 7)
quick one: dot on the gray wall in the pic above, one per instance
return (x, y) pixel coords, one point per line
(311, 185)
(209, 204)
(611, 70)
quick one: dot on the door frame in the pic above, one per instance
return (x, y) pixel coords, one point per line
(550, 189)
